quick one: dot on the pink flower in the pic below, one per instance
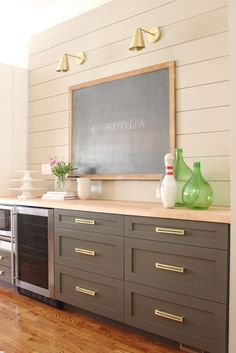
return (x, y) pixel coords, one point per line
(59, 168)
(54, 162)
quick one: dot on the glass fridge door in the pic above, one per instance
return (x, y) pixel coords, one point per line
(32, 245)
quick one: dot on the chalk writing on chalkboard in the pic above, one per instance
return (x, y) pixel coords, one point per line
(122, 126)
(117, 126)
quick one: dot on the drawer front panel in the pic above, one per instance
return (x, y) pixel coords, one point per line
(91, 252)
(192, 321)
(204, 234)
(199, 272)
(90, 221)
(5, 258)
(87, 291)
(5, 273)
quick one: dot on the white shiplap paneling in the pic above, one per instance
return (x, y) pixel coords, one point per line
(48, 138)
(205, 96)
(49, 121)
(136, 13)
(172, 34)
(205, 144)
(202, 120)
(42, 155)
(209, 71)
(194, 33)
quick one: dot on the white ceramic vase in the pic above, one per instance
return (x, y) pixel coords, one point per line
(83, 188)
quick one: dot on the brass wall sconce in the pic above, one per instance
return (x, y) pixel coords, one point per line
(137, 42)
(63, 64)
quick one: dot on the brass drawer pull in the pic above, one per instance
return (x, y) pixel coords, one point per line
(1, 273)
(84, 221)
(170, 231)
(169, 267)
(86, 291)
(85, 252)
(1, 257)
(169, 316)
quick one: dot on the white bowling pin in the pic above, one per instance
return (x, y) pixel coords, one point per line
(168, 188)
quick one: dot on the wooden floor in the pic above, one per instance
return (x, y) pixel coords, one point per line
(28, 326)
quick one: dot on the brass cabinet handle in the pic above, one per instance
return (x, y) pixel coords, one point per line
(170, 231)
(1, 257)
(169, 267)
(84, 221)
(85, 251)
(169, 316)
(92, 293)
(1, 272)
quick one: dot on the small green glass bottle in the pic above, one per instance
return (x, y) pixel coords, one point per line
(197, 193)
(182, 174)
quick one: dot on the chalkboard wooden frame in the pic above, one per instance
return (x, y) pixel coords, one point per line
(169, 67)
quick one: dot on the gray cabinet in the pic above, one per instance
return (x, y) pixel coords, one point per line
(89, 261)
(197, 323)
(202, 234)
(176, 280)
(90, 222)
(5, 266)
(168, 277)
(179, 268)
(99, 294)
(92, 252)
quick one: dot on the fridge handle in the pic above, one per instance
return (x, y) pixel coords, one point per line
(14, 244)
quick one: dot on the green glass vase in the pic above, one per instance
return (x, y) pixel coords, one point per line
(197, 193)
(182, 174)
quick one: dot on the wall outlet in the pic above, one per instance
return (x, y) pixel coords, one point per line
(45, 169)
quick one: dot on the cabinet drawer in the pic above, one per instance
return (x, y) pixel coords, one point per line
(89, 221)
(5, 273)
(5, 258)
(92, 252)
(101, 295)
(195, 271)
(188, 320)
(204, 234)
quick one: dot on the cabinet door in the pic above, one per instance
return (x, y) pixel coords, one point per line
(204, 234)
(195, 271)
(98, 294)
(194, 322)
(5, 258)
(89, 221)
(5, 273)
(92, 252)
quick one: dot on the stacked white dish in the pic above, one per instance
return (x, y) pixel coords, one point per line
(27, 188)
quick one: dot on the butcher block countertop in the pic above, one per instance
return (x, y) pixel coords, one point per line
(132, 208)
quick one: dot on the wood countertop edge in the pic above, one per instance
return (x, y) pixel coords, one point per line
(132, 208)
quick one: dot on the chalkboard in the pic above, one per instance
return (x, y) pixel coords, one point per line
(122, 126)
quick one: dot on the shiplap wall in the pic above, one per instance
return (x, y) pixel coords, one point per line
(194, 34)
(13, 124)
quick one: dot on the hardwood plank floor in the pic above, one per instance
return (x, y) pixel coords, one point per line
(28, 326)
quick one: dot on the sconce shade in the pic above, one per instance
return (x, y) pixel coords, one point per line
(137, 42)
(63, 64)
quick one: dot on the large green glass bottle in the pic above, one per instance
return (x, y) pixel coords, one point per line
(197, 193)
(182, 174)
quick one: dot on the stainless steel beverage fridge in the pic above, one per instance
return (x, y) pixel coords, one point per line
(34, 258)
